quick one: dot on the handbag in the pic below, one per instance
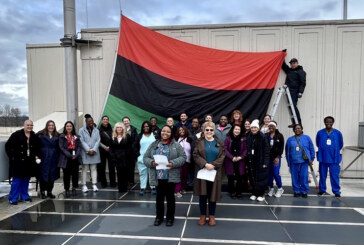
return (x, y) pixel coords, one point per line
(304, 155)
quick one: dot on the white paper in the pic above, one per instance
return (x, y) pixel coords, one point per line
(162, 161)
(206, 174)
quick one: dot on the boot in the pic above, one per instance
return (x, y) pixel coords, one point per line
(212, 221)
(202, 220)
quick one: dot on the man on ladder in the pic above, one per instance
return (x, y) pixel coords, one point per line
(296, 83)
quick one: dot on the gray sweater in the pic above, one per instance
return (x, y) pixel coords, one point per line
(177, 157)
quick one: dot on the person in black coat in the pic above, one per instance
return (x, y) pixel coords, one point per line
(155, 129)
(276, 143)
(70, 156)
(119, 153)
(105, 130)
(49, 148)
(258, 161)
(132, 132)
(23, 151)
(296, 82)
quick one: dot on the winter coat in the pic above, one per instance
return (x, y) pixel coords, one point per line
(221, 135)
(276, 150)
(177, 157)
(295, 157)
(157, 132)
(90, 143)
(20, 165)
(295, 79)
(228, 161)
(132, 154)
(119, 151)
(199, 156)
(187, 125)
(105, 137)
(258, 175)
(329, 153)
(64, 152)
(49, 148)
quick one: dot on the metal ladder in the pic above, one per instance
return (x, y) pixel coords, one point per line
(285, 90)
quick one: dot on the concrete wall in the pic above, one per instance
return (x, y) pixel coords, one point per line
(331, 52)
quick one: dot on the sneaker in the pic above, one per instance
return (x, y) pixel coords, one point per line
(253, 198)
(13, 203)
(178, 195)
(337, 195)
(141, 192)
(233, 195)
(271, 192)
(260, 199)
(95, 189)
(154, 191)
(28, 200)
(321, 193)
(279, 192)
(84, 189)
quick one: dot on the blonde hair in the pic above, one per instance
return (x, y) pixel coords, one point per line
(208, 124)
(118, 124)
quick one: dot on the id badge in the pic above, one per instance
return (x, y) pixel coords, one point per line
(271, 142)
(28, 152)
(253, 152)
(73, 153)
(328, 142)
(297, 148)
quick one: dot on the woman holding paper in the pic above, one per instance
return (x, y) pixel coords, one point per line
(165, 179)
(208, 155)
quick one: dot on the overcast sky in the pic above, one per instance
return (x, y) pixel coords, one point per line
(41, 21)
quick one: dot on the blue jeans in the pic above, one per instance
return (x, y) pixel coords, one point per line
(274, 174)
(19, 187)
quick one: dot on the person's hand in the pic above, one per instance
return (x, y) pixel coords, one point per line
(238, 158)
(154, 164)
(276, 161)
(310, 163)
(107, 148)
(299, 95)
(234, 159)
(209, 166)
(91, 152)
(170, 165)
(265, 166)
(74, 157)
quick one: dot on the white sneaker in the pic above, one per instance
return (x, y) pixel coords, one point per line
(271, 192)
(260, 199)
(84, 189)
(94, 187)
(279, 192)
(178, 195)
(253, 198)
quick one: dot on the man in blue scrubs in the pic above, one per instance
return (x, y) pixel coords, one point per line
(329, 142)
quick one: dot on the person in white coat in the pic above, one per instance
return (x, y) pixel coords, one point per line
(90, 141)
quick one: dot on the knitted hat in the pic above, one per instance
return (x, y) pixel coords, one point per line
(255, 123)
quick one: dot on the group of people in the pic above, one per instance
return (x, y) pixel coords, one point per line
(249, 153)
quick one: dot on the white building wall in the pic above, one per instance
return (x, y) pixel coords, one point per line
(331, 53)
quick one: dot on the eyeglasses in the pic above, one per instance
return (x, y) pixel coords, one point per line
(209, 129)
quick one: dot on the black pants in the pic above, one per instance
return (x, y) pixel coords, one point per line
(46, 186)
(165, 190)
(131, 171)
(294, 97)
(239, 180)
(122, 178)
(204, 198)
(101, 169)
(71, 169)
(258, 193)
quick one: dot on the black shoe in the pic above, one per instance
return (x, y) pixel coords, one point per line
(304, 195)
(169, 223)
(233, 195)
(292, 125)
(50, 195)
(321, 193)
(73, 191)
(42, 195)
(112, 184)
(337, 195)
(13, 203)
(158, 222)
(28, 200)
(103, 185)
(239, 196)
(296, 194)
(68, 194)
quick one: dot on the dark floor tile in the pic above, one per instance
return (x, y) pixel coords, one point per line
(232, 230)
(102, 195)
(134, 226)
(354, 202)
(134, 195)
(238, 212)
(79, 240)
(318, 214)
(21, 239)
(45, 222)
(143, 208)
(289, 190)
(68, 206)
(327, 234)
(210, 243)
(325, 201)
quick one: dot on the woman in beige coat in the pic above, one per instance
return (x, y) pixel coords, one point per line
(209, 154)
